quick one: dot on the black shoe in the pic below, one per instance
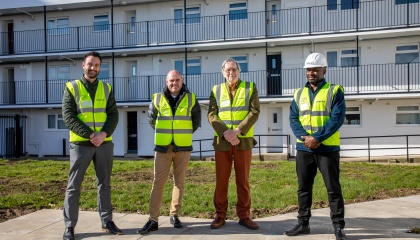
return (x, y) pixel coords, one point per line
(175, 221)
(112, 228)
(68, 233)
(339, 234)
(298, 229)
(148, 227)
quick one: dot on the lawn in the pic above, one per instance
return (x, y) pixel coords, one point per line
(30, 185)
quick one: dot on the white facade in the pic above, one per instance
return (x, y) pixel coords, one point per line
(375, 56)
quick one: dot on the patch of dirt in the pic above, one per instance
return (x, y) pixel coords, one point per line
(6, 214)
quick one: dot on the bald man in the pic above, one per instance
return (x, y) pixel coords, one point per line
(174, 114)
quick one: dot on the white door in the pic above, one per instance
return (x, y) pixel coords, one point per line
(275, 127)
(133, 81)
(132, 29)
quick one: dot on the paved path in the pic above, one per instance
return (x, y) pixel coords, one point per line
(383, 219)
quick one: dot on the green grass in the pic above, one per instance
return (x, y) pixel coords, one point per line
(35, 184)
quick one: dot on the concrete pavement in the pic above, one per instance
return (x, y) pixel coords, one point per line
(382, 219)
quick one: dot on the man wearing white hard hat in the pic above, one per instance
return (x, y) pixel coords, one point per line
(316, 113)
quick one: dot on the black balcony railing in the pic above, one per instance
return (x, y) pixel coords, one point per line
(365, 79)
(282, 23)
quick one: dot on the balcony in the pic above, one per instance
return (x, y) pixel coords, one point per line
(365, 79)
(332, 19)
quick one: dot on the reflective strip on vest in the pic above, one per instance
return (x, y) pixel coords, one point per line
(232, 114)
(313, 116)
(176, 128)
(91, 113)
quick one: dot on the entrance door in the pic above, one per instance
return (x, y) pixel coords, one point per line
(274, 74)
(275, 127)
(132, 132)
(10, 38)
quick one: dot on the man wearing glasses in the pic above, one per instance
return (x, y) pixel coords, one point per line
(233, 110)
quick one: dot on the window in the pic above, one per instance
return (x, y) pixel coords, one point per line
(238, 11)
(345, 4)
(349, 4)
(132, 24)
(343, 58)
(104, 72)
(55, 121)
(100, 23)
(408, 115)
(405, 1)
(332, 59)
(349, 58)
(58, 26)
(193, 66)
(193, 15)
(242, 61)
(59, 72)
(273, 10)
(407, 54)
(331, 4)
(352, 116)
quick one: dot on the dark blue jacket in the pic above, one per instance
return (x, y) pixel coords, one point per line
(338, 113)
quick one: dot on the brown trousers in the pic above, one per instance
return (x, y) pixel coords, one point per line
(242, 164)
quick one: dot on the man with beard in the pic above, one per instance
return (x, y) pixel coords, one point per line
(91, 114)
(316, 113)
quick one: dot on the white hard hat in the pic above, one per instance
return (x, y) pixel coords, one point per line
(315, 60)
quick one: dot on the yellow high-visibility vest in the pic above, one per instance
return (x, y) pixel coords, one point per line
(314, 115)
(92, 113)
(233, 114)
(176, 128)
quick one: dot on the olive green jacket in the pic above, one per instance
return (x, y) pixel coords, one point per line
(74, 124)
(219, 142)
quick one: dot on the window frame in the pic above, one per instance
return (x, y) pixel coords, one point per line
(403, 52)
(57, 120)
(58, 28)
(188, 12)
(58, 70)
(341, 55)
(234, 15)
(353, 112)
(188, 64)
(103, 27)
(244, 64)
(400, 2)
(349, 5)
(105, 68)
(407, 112)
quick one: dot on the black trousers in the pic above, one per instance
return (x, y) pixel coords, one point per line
(328, 164)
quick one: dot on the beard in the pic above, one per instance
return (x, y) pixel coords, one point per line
(92, 74)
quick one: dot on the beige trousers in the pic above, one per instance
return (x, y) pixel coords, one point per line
(163, 162)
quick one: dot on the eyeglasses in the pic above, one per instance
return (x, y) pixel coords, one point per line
(233, 70)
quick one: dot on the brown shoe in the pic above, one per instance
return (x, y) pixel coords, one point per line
(248, 223)
(218, 222)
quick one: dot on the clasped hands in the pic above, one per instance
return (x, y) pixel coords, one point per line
(310, 142)
(231, 136)
(97, 138)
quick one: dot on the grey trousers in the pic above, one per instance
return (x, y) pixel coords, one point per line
(80, 158)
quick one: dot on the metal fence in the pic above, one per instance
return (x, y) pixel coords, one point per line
(363, 146)
(364, 79)
(12, 136)
(266, 24)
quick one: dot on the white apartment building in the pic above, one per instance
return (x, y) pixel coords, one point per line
(372, 49)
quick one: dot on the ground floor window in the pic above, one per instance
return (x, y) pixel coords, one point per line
(55, 121)
(352, 116)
